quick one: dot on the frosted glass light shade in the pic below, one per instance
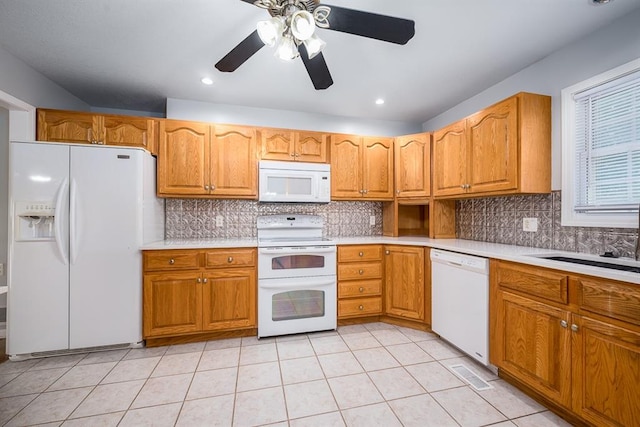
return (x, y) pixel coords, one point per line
(287, 49)
(302, 25)
(270, 31)
(314, 45)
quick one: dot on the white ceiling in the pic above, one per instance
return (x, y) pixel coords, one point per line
(128, 54)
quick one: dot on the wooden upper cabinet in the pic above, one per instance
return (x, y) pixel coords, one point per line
(361, 168)
(89, 128)
(503, 149)
(493, 148)
(346, 167)
(183, 158)
(311, 146)
(450, 159)
(413, 166)
(234, 166)
(288, 145)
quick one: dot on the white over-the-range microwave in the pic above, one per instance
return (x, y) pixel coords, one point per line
(294, 182)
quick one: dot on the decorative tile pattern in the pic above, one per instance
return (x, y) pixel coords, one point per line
(499, 220)
(196, 219)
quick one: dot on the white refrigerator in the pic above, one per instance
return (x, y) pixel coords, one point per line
(77, 218)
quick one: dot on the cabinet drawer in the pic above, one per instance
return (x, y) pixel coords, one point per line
(615, 300)
(359, 253)
(534, 281)
(364, 270)
(171, 260)
(359, 288)
(359, 307)
(230, 258)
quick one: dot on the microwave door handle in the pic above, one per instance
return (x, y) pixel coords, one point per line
(303, 283)
(315, 250)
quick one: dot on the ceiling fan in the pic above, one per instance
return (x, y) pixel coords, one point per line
(291, 30)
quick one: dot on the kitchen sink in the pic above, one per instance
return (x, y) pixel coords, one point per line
(594, 263)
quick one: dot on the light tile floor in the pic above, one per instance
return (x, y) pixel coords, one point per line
(362, 375)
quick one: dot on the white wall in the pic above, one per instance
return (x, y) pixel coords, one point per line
(23, 82)
(4, 197)
(606, 48)
(234, 114)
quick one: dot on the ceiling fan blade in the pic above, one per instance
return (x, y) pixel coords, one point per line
(372, 25)
(239, 54)
(317, 69)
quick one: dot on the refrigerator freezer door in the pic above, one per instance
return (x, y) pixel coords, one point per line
(106, 267)
(38, 306)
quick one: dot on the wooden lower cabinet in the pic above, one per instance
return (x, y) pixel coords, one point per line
(360, 275)
(405, 282)
(190, 292)
(582, 356)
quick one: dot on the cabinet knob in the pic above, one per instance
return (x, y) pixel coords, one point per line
(205, 280)
(462, 186)
(361, 307)
(172, 261)
(564, 323)
(397, 191)
(297, 155)
(206, 187)
(366, 191)
(230, 259)
(361, 289)
(361, 272)
(361, 191)
(574, 327)
(292, 154)
(387, 252)
(213, 187)
(361, 254)
(199, 280)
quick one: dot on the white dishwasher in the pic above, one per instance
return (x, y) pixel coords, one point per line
(460, 301)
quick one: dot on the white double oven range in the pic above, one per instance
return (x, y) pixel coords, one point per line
(297, 288)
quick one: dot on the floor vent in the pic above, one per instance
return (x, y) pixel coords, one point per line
(471, 377)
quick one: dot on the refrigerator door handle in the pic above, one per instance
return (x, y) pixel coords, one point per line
(59, 221)
(73, 221)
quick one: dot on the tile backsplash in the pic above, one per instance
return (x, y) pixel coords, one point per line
(196, 218)
(499, 220)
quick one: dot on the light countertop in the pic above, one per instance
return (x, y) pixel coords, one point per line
(521, 254)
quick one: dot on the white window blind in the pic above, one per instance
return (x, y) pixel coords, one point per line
(607, 146)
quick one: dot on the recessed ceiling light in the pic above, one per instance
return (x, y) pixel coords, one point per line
(207, 81)
(379, 101)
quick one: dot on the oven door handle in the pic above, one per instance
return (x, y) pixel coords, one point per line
(289, 251)
(303, 284)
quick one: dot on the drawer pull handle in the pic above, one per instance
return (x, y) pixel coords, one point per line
(574, 327)
(361, 254)
(361, 272)
(387, 252)
(564, 323)
(230, 259)
(361, 289)
(172, 261)
(361, 307)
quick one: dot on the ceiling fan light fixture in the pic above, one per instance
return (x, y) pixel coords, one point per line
(302, 25)
(286, 49)
(314, 45)
(270, 31)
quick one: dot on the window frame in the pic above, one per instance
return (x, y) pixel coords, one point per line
(569, 217)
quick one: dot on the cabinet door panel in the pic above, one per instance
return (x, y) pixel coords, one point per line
(606, 370)
(493, 142)
(229, 299)
(413, 165)
(172, 304)
(183, 158)
(311, 147)
(404, 282)
(533, 346)
(377, 176)
(129, 131)
(234, 165)
(277, 144)
(68, 126)
(450, 160)
(346, 167)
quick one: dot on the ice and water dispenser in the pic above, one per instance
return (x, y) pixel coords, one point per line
(34, 221)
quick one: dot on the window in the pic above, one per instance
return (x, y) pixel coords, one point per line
(601, 149)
